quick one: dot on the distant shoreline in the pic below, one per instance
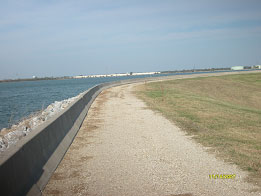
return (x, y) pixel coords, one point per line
(110, 75)
(35, 79)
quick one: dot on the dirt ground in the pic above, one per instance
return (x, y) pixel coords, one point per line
(123, 148)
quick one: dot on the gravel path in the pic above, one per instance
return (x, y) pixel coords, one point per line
(123, 148)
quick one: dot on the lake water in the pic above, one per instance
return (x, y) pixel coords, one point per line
(20, 99)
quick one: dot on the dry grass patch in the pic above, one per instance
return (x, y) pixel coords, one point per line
(220, 112)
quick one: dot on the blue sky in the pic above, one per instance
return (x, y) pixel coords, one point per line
(59, 37)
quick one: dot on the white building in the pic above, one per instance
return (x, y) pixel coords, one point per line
(256, 67)
(115, 75)
(237, 68)
(145, 73)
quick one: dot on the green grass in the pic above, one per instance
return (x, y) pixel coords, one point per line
(221, 112)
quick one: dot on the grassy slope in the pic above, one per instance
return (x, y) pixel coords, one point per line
(221, 112)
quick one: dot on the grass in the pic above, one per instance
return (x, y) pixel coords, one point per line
(220, 112)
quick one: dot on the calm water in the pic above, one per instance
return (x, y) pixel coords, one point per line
(20, 99)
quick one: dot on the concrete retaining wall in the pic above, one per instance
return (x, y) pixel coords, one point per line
(26, 167)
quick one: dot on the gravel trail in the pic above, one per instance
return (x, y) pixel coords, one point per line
(123, 148)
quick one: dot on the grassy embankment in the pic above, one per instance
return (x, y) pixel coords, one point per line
(220, 112)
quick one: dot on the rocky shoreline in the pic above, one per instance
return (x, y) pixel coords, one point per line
(9, 136)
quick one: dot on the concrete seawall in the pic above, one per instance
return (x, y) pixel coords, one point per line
(26, 167)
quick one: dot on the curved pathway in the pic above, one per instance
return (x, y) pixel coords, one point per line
(123, 148)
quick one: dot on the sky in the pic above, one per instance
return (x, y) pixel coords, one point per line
(46, 38)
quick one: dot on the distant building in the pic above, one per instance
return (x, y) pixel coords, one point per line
(256, 67)
(115, 75)
(237, 68)
(80, 76)
(145, 73)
